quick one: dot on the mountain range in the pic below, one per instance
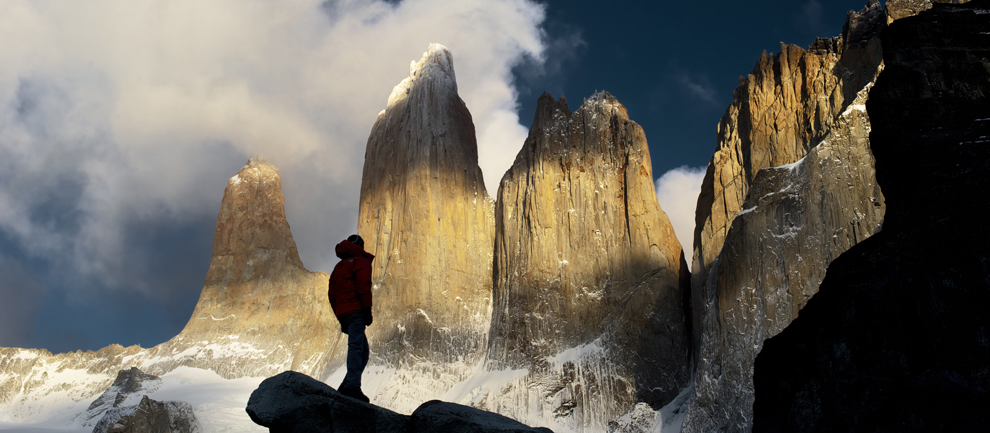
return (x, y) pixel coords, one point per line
(838, 270)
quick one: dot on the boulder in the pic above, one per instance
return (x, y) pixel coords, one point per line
(293, 402)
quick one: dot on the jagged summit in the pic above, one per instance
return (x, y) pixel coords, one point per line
(589, 278)
(434, 72)
(252, 235)
(426, 216)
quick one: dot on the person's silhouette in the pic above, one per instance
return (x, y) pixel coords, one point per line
(350, 299)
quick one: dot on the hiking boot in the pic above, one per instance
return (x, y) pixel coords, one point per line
(355, 393)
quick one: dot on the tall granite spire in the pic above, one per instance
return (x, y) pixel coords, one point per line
(426, 216)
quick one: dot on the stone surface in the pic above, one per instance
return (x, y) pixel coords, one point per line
(426, 216)
(590, 281)
(896, 338)
(125, 391)
(897, 9)
(149, 416)
(294, 402)
(787, 105)
(791, 187)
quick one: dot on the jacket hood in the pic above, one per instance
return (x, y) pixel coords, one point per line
(346, 249)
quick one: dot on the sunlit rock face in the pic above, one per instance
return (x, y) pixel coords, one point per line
(896, 339)
(426, 216)
(897, 9)
(791, 186)
(258, 302)
(260, 313)
(590, 280)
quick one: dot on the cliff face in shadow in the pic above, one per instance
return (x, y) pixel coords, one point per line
(426, 216)
(896, 338)
(791, 187)
(590, 282)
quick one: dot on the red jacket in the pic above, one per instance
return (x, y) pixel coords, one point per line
(350, 282)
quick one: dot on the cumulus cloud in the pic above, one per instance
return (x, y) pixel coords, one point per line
(117, 114)
(677, 192)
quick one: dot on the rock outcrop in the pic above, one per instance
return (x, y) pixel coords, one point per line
(897, 9)
(125, 391)
(426, 216)
(293, 402)
(149, 416)
(896, 338)
(590, 283)
(790, 188)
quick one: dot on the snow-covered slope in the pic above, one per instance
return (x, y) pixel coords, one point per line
(218, 403)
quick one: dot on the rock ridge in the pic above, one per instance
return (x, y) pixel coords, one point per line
(895, 338)
(790, 187)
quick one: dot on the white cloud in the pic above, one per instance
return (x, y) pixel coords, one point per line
(117, 111)
(698, 88)
(677, 192)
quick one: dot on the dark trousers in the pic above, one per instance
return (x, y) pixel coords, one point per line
(357, 350)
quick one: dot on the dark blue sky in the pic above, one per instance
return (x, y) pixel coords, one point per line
(673, 65)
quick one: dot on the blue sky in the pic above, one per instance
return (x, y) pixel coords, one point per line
(120, 123)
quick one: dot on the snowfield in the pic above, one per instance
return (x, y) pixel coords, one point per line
(218, 403)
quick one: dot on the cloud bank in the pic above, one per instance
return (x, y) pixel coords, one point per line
(677, 192)
(122, 117)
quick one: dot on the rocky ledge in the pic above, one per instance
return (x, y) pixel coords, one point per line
(294, 402)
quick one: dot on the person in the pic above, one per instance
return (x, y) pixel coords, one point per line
(350, 298)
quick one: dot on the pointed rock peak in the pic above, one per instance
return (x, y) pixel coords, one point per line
(435, 70)
(604, 102)
(252, 224)
(256, 170)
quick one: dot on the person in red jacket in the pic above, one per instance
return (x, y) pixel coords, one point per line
(350, 299)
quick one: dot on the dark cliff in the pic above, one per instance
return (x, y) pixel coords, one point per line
(897, 337)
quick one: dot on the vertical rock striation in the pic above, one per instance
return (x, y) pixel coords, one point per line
(590, 282)
(897, 337)
(426, 216)
(790, 188)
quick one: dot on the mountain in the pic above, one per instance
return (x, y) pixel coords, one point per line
(261, 312)
(590, 284)
(790, 188)
(896, 337)
(426, 216)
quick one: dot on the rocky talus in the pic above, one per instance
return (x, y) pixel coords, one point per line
(896, 338)
(590, 280)
(790, 188)
(260, 312)
(426, 216)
